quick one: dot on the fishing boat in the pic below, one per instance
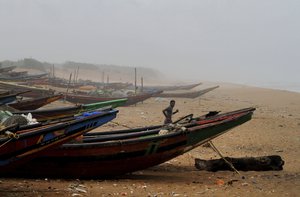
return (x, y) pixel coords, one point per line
(32, 91)
(7, 69)
(192, 95)
(18, 73)
(87, 99)
(4, 92)
(10, 97)
(42, 115)
(35, 103)
(175, 87)
(20, 77)
(17, 148)
(96, 158)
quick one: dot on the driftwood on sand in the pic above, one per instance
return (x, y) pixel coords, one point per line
(264, 163)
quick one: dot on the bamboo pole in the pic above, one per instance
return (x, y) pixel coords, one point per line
(135, 87)
(142, 84)
(77, 74)
(68, 87)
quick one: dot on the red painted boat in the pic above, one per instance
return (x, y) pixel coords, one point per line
(115, 156)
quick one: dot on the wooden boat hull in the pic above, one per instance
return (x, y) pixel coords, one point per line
(7, 99)
(92, 99)
(10, 97)
(31, 142)
(22, 77)
(7, 69)
(172, 88)
(64, 112)
(187, 94)
(32, 104)
(32, 91)
(117, 157)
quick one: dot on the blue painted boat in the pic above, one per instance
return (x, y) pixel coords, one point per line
(19, 147)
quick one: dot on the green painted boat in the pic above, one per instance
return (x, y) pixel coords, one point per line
(119, 154)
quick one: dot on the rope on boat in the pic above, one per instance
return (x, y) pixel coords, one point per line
(219, 153)
(5, 142)
(11, 137)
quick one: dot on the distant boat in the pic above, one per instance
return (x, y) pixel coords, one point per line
(8, 77)
(35, 103)
(194, 94)
(9, 97)
(15, 74)
(7, 69)
(133, 151)
(132, 99)
(175, 87)
(65, 112)
(32, 91)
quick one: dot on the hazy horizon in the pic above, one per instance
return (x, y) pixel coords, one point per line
(247, 42)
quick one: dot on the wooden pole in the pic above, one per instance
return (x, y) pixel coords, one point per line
(77, 74)
(74, 77)
(142, 84)
(103, 77)
(53, 72)
(135, 81)
(50, 74)
(68, 87)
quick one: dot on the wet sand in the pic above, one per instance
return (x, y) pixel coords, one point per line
(274, 129)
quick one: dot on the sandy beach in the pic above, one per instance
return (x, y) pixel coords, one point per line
(274, 130)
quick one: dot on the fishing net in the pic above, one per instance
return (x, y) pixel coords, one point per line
(15, 119)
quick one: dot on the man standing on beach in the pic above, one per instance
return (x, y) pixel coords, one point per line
(168, 112)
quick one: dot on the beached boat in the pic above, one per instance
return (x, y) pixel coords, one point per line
(12, 77)
(32, 91)
(63, 112)
(172, 88)
(116, 156)
(18, 73)
(86, 99)
(35, 103)
(23, 145)
(194, 94)
(4, 92)
(10, 97)
(7, 69)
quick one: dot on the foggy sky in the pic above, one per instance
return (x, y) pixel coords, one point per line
(242, 41)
